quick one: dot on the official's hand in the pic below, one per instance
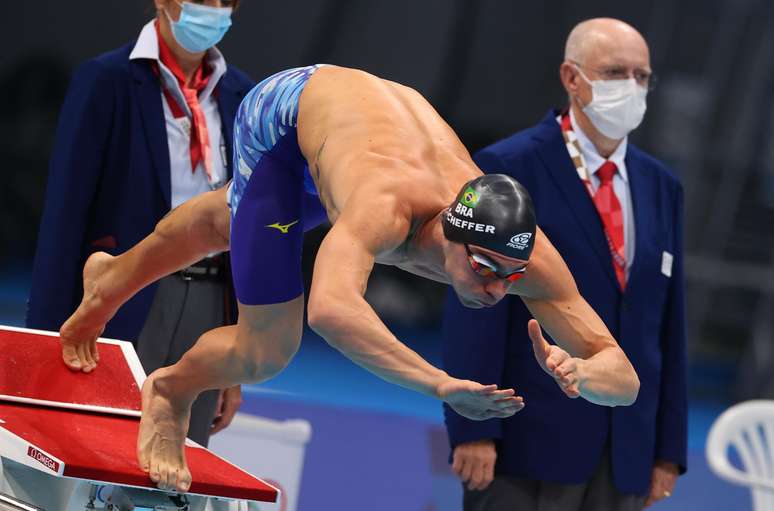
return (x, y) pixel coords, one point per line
(229, 401)
(474, 463)
(662, 481)
(479, 402)
(556, 362)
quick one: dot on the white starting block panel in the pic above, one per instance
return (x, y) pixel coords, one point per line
(273, 450)
(63, 434)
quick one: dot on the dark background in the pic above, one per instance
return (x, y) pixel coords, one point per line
(490, 67)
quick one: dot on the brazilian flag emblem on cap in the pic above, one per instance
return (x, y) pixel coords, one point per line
(469, 197)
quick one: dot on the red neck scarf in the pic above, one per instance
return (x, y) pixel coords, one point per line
(200, 140)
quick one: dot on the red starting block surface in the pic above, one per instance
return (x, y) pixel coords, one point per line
(33, 372)
(85, 426)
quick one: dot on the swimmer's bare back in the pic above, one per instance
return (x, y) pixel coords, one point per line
(356, 130)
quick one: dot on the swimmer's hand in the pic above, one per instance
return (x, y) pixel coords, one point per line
(479, 402)
(566, 370)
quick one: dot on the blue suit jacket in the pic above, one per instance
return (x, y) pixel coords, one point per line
(555, 438)
(109, 181)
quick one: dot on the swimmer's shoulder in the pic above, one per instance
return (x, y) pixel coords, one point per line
(385, 202)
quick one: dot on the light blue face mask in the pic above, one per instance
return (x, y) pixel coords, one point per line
(200, 27)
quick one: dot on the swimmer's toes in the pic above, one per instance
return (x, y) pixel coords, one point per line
(155, 474)
(166, 474)
(143, 452)
(184, 480)
(70, 357)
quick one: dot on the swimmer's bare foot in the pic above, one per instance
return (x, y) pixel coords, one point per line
(161, 439)
(80, 332)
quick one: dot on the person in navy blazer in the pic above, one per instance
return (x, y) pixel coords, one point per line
(123, 157)
(569, 454)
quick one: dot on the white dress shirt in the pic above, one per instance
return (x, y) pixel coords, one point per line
(184, 183)
(593, 161)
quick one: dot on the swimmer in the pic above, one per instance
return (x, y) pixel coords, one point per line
(374, 158)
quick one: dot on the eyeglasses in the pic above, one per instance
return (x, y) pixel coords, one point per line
(643, 77)
(486, 267)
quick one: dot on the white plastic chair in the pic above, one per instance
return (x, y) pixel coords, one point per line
(748, 428)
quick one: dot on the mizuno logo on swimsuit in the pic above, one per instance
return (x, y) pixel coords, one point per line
(520, 241)
(283, 228)
(471, 226)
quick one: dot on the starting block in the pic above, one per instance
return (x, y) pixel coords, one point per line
(67, 439)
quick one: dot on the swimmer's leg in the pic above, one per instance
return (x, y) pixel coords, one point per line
(257, 348)
(266, 234)
(196, 228)
(266, 239)
(266, 265)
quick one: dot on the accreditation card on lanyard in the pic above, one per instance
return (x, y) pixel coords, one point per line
(573, 148)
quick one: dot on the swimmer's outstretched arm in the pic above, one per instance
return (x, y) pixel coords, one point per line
(188, 233)
(338, 311)
(593, 366)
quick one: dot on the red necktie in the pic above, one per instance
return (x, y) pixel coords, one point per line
(200, 138)
(610, 211)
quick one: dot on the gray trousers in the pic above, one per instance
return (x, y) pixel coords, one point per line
(182, 310)
(514, 494)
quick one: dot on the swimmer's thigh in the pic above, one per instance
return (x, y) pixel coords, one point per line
(267, 236)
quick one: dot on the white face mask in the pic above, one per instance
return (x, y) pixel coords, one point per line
(617, 106)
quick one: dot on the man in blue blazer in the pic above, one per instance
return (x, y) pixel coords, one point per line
(142, 129)
(620, 232)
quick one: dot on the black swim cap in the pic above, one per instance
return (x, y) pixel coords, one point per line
(493, 211)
